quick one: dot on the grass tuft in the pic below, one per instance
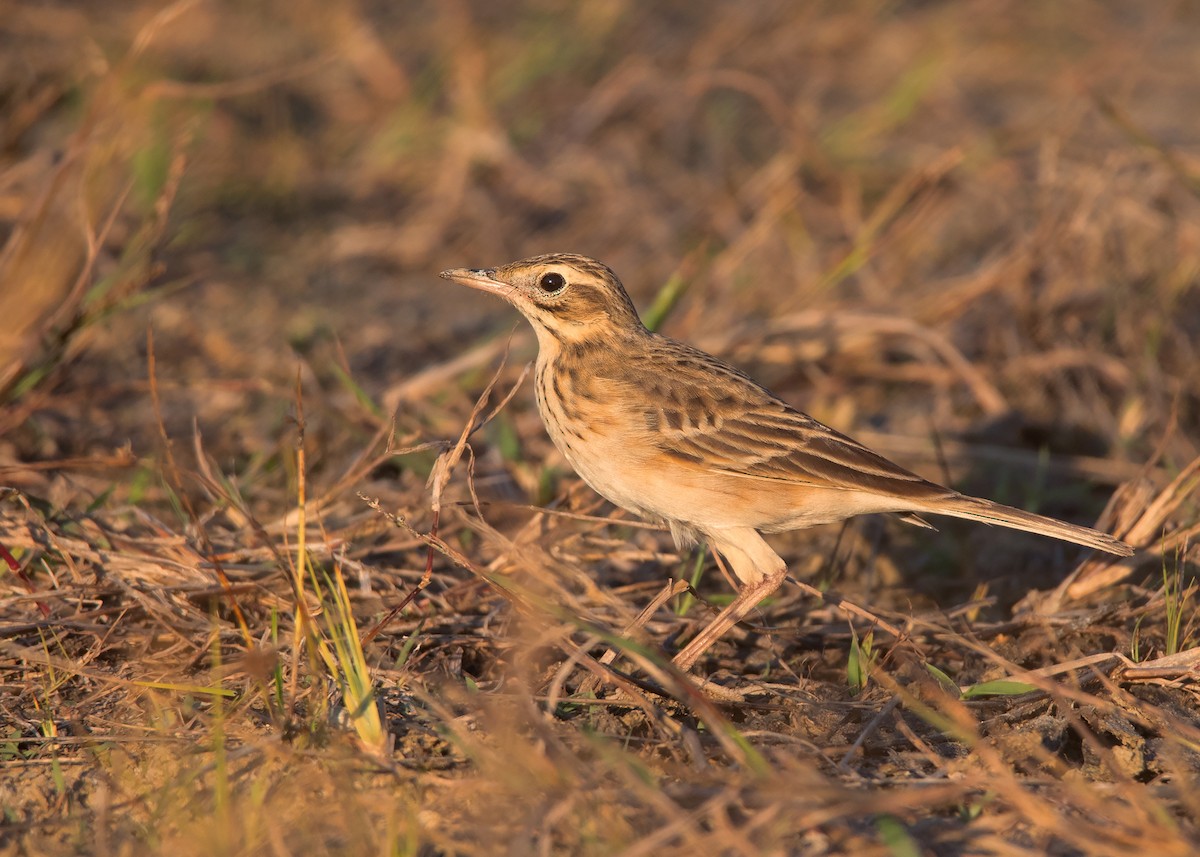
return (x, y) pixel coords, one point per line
(910, 220)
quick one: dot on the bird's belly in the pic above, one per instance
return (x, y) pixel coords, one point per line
(636, 477)
(608, 468)
(649, 483)
(620, 457)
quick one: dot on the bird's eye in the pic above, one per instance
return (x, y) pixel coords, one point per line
(552, 282)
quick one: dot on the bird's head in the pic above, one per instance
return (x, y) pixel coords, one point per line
(566, 297)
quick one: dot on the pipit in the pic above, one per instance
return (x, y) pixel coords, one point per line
(671, 433)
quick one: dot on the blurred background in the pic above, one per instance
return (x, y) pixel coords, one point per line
(966, 232)
(974, 216)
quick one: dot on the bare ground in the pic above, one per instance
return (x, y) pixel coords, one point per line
(966, 233)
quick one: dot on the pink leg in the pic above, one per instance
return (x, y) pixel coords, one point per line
(762, 572)
(748, 598)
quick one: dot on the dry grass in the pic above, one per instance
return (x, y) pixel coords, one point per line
(965, 232)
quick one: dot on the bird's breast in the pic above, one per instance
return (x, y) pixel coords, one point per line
(600, 425)
(657, 449)
(599, 431)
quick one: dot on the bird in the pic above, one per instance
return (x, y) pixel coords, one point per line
(676, 435)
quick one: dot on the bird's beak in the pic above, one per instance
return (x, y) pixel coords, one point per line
(483, 279)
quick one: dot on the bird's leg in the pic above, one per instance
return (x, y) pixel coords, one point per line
(747, 599)
(761, 571)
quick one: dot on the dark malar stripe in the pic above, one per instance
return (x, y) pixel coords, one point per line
(584, 350)
(564, 402)
(540, 382)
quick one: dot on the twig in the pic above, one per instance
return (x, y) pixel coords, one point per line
(867, 732)
(589, 685)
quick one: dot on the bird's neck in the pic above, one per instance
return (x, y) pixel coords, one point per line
(577, 342)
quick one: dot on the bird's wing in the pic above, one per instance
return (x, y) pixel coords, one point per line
(704, 412)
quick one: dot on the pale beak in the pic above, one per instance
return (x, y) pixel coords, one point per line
(483, 279)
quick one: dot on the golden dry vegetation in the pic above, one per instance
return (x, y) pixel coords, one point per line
(966, 232)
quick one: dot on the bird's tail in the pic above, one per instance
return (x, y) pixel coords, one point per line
(975, 509)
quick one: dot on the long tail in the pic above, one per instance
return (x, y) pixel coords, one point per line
(975, 509)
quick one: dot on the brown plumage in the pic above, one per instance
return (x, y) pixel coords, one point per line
(669, 432)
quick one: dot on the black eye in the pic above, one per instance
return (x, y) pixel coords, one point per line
(552, 282)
